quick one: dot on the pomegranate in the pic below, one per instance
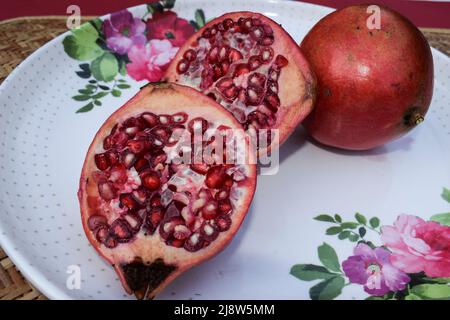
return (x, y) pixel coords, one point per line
(374, 85)
(252, 67)
(146, 212)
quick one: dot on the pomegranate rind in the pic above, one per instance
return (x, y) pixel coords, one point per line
(162, 99)
(297, 82)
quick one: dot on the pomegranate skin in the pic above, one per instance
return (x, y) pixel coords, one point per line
(373, 85)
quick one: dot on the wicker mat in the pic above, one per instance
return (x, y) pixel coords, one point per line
(18, 39)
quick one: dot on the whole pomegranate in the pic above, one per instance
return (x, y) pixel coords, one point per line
(252, 67)
(374, 84)
(147, 210)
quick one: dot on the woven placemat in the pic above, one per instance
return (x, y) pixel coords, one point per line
(18, 39)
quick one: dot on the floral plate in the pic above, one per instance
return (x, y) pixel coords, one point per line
(302, 238)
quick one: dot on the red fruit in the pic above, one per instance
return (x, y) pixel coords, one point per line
(142, 222)
(373, 85)
(257, 49)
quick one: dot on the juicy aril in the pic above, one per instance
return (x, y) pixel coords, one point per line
(251, 66)
(153, 217)
(374, 85)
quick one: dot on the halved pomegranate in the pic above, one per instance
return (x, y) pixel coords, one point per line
(252, 67)
(149, 214)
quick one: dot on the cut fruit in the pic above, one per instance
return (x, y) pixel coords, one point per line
(251, 66)
(154, 217)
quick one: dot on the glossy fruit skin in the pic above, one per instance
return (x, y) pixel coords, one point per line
(148, 258)
(373, 85)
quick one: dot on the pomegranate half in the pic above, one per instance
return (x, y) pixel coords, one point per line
(147, 213)
(251, 66)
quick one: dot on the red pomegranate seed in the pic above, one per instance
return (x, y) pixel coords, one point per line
(95, 221)
(207, 78)
(273, 101)
(118, 174)
(254, 62)
(120, 230)
(190, 55)
(110, 242)
(217, 72)
(215, 177)
(254, 95)
(204, 194)
(181, 232)
(223, 53)
(113, 157)
(162, 133)
(214, 30)
(165, 119)
(267, 41)
(257, 79)
(227, 24)
(222, 222)
(234, 55)
(206, 33)
(194, 243)
(167, 228)
(280, 61)
(273, 74)
(127, 200)
(160, 158)
(182, 66)
(153, 219)
(102, 233)
(140, 195)
(220, 27)
(141, 164)
(256, 33)
(128, 159)
(106, 190)
(222, 195)
(225, 66)
(177, 243)
(137, 146)
(231, 93)
(267, 29)
(201, 168)
(155, 201)
(101, 161)
(179, 117)
(213, 55)
(150, 180)
(107, 143)
(150, 119)
(209, 210)
(225, 206)
(131, 131)
(241, 68)
(272, 87)
(266, 54)
(247, 24)
(209, 232)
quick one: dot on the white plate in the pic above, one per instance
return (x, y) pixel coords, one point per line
(43, 144)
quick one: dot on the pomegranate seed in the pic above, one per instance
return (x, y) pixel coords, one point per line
(113, 157)
(129, 159)
(181, 232)
(225, 66)
(209, 211)
(118, 174)
(120, 230)
(254, 95)
(207, 78)
(141, 164)
(223, 53)
(137, 146)
(167, 228)
(213, 55)
(128, 201)
(217, 72)
(165, 119)
(107, 143)
(273, 74)
(153, 219)
(133, 220)
(150, 119)
(102, 233)
(222, 222)
(272, 87)
(160, 158)
(110, 242)
(225, 206)
(194, 243)
(214, 30)
(227, 24)
(150, 180)
(131, 131)
(215, 177)
(206, 33)
(190, 55)
(241, 68)
(231, 93)
(247, 24)
(101, 161)
(177, 243)
(220, 27)
(273, 100)
(182, 66)
(179, 117)
(204, 194)
(267, 29)
(106, 190)
(95, 221)
(257, 79)
(254, 62)
(208, 232)
(119, 139)
(234, 55)
(155, 201)
(201, 168)
(222, 195)
(267, 41)
(280, 61)
(266, 54)
(256, 33)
